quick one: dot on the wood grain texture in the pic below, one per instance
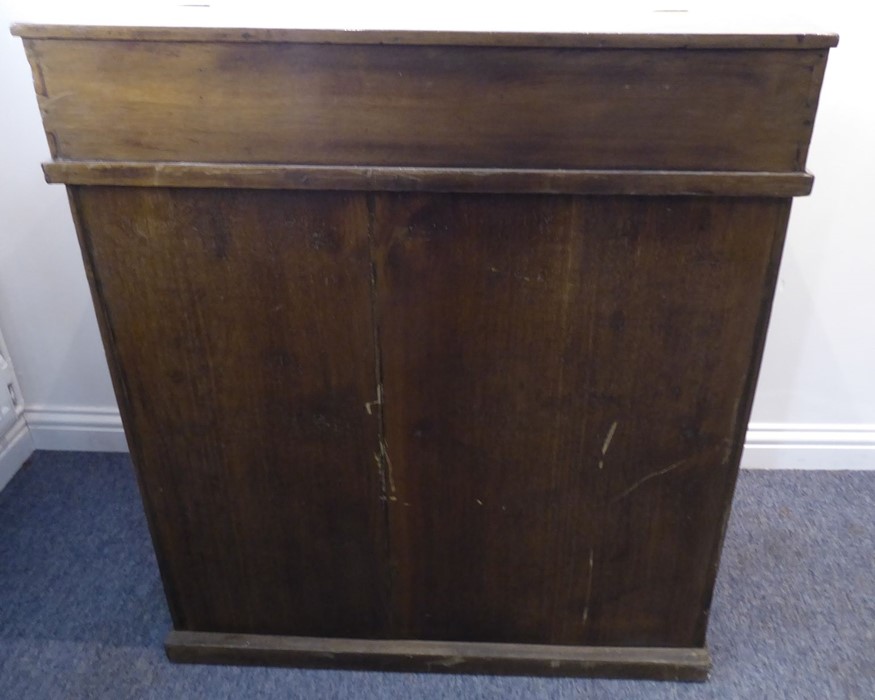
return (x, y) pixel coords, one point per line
(564, 381)
(429, 106)
(580, 40)
(241, 336)
(395, 179)
(440, 657)
(435, 351)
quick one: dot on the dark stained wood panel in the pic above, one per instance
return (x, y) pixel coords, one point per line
(393, 179)
(454, 106)
(564, 379)
(670, 664)
(240, 337)
(566, 39)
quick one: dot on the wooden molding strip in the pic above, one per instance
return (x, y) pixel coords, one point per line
(676, 664)
(430, 38)
(314, 177)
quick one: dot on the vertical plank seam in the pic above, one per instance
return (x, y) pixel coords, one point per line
(381, 457)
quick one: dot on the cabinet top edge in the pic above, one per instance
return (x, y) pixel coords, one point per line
(595, 40)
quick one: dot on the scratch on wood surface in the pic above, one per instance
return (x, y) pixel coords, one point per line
(377, 402)
(652, 475)
(384, 453)
(607, 443)
(610, 436)
(378, 460)
(589, 585)
(449, 661)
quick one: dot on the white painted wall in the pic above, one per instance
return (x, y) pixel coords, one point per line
(815, 403)
(45, 307)
(821, 346)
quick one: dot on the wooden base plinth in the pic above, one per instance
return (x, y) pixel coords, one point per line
(670, 664)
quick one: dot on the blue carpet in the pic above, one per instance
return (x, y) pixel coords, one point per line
(82, 613)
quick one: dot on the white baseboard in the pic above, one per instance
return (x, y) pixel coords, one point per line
(15, 447)
(76, 428)
(809, 446)
(767, 446)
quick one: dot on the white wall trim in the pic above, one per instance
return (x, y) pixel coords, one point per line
(15, 448)
(809, 446)
(767, 446)
(85, 428)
